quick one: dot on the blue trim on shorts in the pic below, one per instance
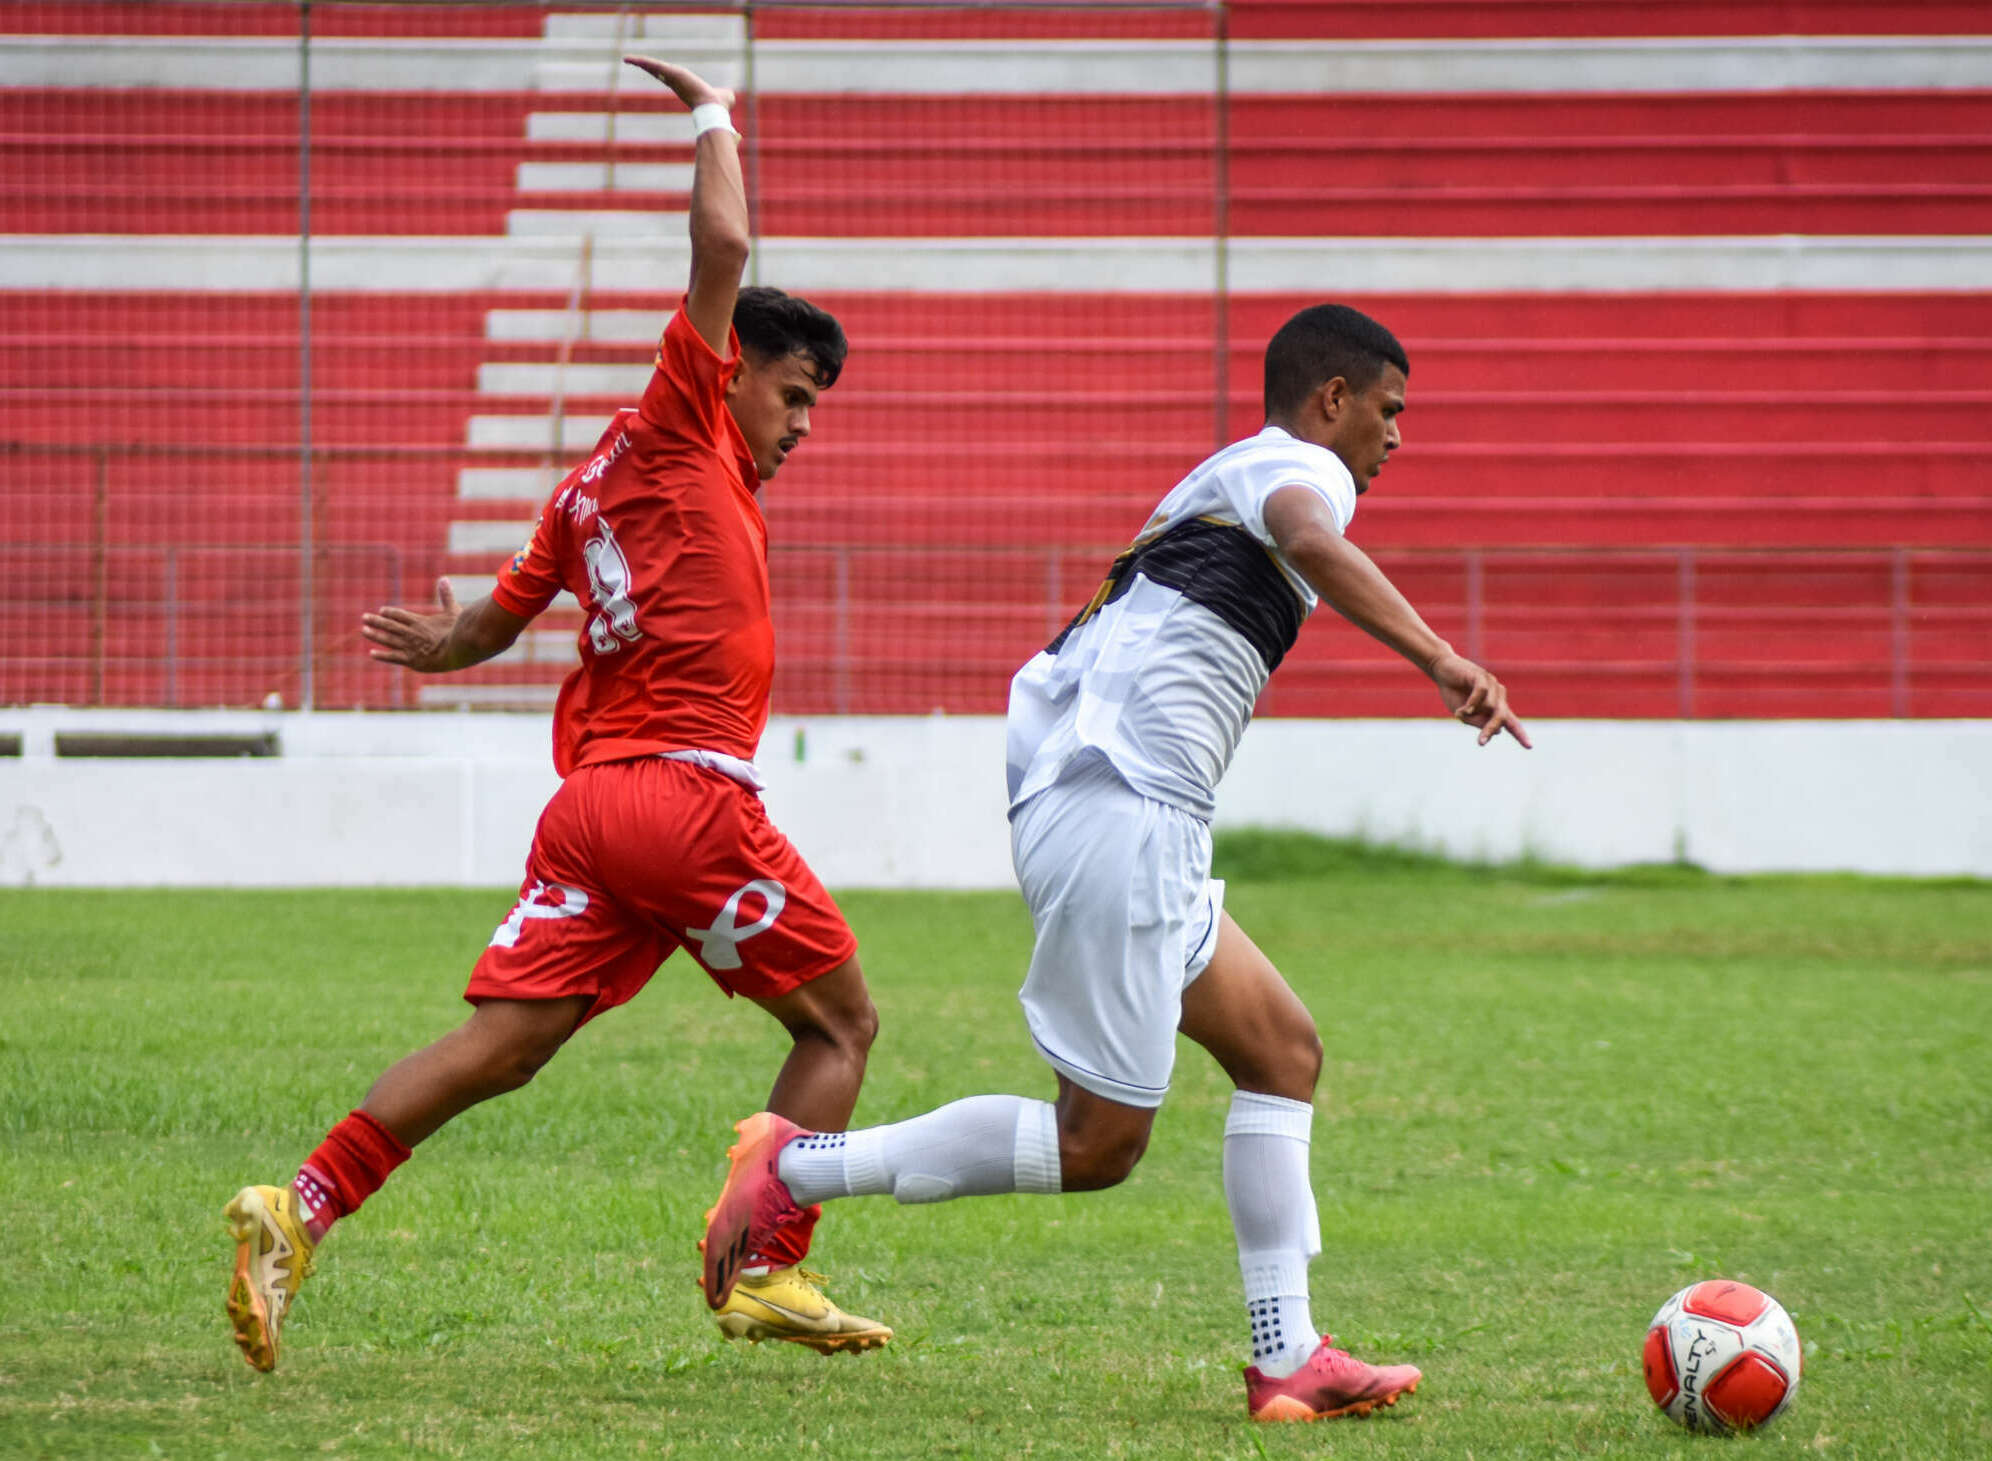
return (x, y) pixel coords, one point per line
(1074, 1071)
(1208, 936)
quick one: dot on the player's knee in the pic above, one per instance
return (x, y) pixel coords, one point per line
(515, 1064)
(860, 1026)
(1091, 1161)
(514, 1069)
(835, 1010)
(849, 1020)
(1306, 1055)
(849, 1024)
(1283, 1062)
(513, 1045)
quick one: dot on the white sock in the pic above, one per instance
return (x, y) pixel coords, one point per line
(971, 1148)
(1266, 1141)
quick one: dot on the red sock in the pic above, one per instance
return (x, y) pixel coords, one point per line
(788, 1245)
(356, 1156)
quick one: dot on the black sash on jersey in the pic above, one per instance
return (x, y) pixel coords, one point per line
(1219, 565)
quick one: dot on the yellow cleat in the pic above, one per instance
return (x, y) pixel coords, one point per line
(272, 1259)
(787, 1304)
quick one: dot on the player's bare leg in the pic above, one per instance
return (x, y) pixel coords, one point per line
(277, 1229)
(766, 1293)
(1255, 1026)
(1099, 1141)
(1247, 1016)
(832, 1021)
(498, 1049)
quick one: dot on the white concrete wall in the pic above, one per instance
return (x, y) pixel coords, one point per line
(382, 799)
(1878, 796)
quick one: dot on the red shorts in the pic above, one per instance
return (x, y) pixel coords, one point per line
(633, 859)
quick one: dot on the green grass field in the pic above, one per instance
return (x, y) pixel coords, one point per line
(1550, 1100)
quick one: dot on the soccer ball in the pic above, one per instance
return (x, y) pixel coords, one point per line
(1721, 1356)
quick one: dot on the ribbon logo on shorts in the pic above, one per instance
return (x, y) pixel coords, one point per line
(719, 946)
(572, 901)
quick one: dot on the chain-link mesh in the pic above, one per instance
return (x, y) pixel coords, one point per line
(308, 305)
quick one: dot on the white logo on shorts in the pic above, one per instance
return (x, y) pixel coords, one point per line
(572, 901)
(719, 946)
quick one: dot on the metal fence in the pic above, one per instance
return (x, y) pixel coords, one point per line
(339, 291)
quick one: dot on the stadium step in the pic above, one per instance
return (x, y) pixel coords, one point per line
(613, 28)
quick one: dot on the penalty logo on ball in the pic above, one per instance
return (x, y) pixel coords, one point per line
(1721, 1356)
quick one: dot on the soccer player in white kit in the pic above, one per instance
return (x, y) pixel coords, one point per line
(1118, 735)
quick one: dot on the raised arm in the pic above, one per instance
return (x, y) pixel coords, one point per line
(451, 638)
(1357, 589)
(720, 230)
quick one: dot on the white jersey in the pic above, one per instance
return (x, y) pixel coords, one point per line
(1159, 673)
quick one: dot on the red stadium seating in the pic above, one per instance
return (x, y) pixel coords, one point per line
(1512, 166)
(1786, 492)
(1406, 20)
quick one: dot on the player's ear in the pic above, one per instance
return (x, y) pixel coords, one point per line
(1333, 395)
(750, 366)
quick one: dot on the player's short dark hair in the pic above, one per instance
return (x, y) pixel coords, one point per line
(774, 324)
(1320, 343)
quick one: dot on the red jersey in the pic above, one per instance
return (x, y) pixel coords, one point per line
(659, 536)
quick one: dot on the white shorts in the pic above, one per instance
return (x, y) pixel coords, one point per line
(1119, 887)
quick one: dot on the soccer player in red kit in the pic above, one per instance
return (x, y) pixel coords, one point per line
(656, 839)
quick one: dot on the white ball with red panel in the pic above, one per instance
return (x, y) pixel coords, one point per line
(1722, 1356)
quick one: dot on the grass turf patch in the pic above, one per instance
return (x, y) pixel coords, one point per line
(1550, 1100)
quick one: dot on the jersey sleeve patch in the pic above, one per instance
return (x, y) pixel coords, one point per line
(528, 583)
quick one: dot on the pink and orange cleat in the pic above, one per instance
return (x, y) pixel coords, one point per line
(1332, 1382)
(753, 1203)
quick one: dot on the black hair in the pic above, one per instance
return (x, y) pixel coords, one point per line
(1320, 343)
(774, 324)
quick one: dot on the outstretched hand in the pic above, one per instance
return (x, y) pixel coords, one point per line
(409, 637)
(1476, 698)
(691, 89)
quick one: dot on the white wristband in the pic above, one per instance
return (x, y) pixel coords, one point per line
(708, 115)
